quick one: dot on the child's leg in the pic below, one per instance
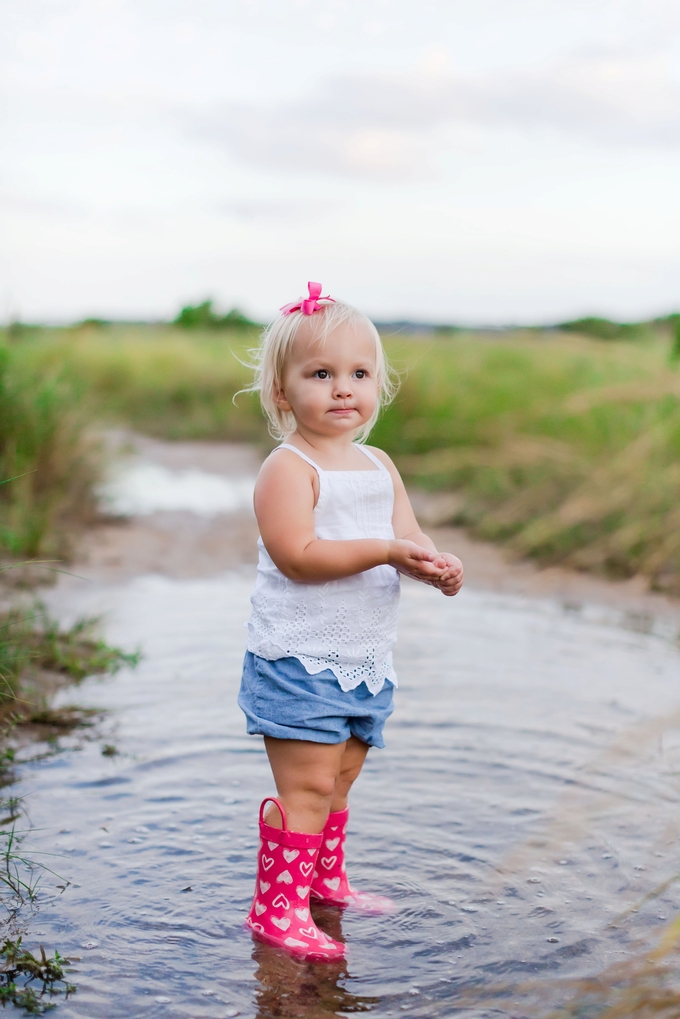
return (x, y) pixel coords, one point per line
(351, 763)
(330, 883)
(306, 776)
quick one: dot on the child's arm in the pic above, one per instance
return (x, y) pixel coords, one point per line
(406, 527)
(285, 494)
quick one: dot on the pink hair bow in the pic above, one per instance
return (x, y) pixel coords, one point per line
(307, 305)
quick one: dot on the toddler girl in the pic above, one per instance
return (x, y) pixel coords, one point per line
(336, 530)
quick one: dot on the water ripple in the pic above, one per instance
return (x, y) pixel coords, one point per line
(519, 816)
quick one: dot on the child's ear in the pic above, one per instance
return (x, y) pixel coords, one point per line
(280, 399)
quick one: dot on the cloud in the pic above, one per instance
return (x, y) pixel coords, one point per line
(616, 98)
(312, 137)
(292, 210)
(381, 126)
(12, 201)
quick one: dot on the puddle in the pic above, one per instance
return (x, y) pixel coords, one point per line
(523, 816)
(138, 488)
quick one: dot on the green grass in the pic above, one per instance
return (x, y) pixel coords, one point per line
(48, 463)
(161, 380)
(567, 449)
(29, 982)
(563, 446)
(31, 641)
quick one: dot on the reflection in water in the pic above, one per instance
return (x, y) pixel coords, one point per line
(292, 987)
(523, 817)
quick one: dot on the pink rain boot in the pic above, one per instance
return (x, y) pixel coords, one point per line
(280, 913)
(330, 883)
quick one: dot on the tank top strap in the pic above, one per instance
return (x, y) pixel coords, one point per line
(371, 456)
(294, 449)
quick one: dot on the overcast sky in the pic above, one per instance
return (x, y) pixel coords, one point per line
(482, 161)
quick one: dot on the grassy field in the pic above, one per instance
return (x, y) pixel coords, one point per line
(567, 448)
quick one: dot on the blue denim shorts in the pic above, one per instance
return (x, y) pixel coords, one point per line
(281, 699)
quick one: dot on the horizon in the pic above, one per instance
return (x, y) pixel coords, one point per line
(416, 324)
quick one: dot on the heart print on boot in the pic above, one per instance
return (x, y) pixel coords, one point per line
(330, 883)
(280, 913)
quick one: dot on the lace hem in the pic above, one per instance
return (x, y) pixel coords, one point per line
(349, 680)
(349, 677)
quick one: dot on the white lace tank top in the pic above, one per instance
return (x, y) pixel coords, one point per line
(350, 625)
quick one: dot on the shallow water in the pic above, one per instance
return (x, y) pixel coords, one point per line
(523, 816)
(138, 487)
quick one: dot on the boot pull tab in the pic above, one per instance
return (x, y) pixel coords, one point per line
(273, 799)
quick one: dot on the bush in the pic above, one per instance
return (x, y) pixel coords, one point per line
(604, 328)
(202, 316)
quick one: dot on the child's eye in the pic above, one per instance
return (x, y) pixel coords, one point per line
(360, 373)
(322, 373)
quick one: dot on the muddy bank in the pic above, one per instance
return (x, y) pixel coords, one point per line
(179, 542)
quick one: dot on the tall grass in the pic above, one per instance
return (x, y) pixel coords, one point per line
(567, 450)
(158, 379)
(565, 447)
(47, 461)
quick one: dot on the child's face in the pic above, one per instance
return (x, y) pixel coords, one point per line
(331, 387)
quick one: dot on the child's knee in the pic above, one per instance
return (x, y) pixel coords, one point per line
(348, 775)
(321, 784)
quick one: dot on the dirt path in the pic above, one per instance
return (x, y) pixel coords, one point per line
(183, 544)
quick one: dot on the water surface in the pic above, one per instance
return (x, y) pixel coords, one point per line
(523, 816)
(139, 487)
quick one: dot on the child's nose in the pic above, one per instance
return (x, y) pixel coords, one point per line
(343, 388)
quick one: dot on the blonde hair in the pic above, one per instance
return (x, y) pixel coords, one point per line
(276, 342)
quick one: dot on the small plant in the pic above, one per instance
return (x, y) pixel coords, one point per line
(20, 969)
(34, 640)
(75, 651)
(11, 808)
(16, 871)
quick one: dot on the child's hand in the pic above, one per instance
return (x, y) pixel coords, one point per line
(451, 580)
(417, 562)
